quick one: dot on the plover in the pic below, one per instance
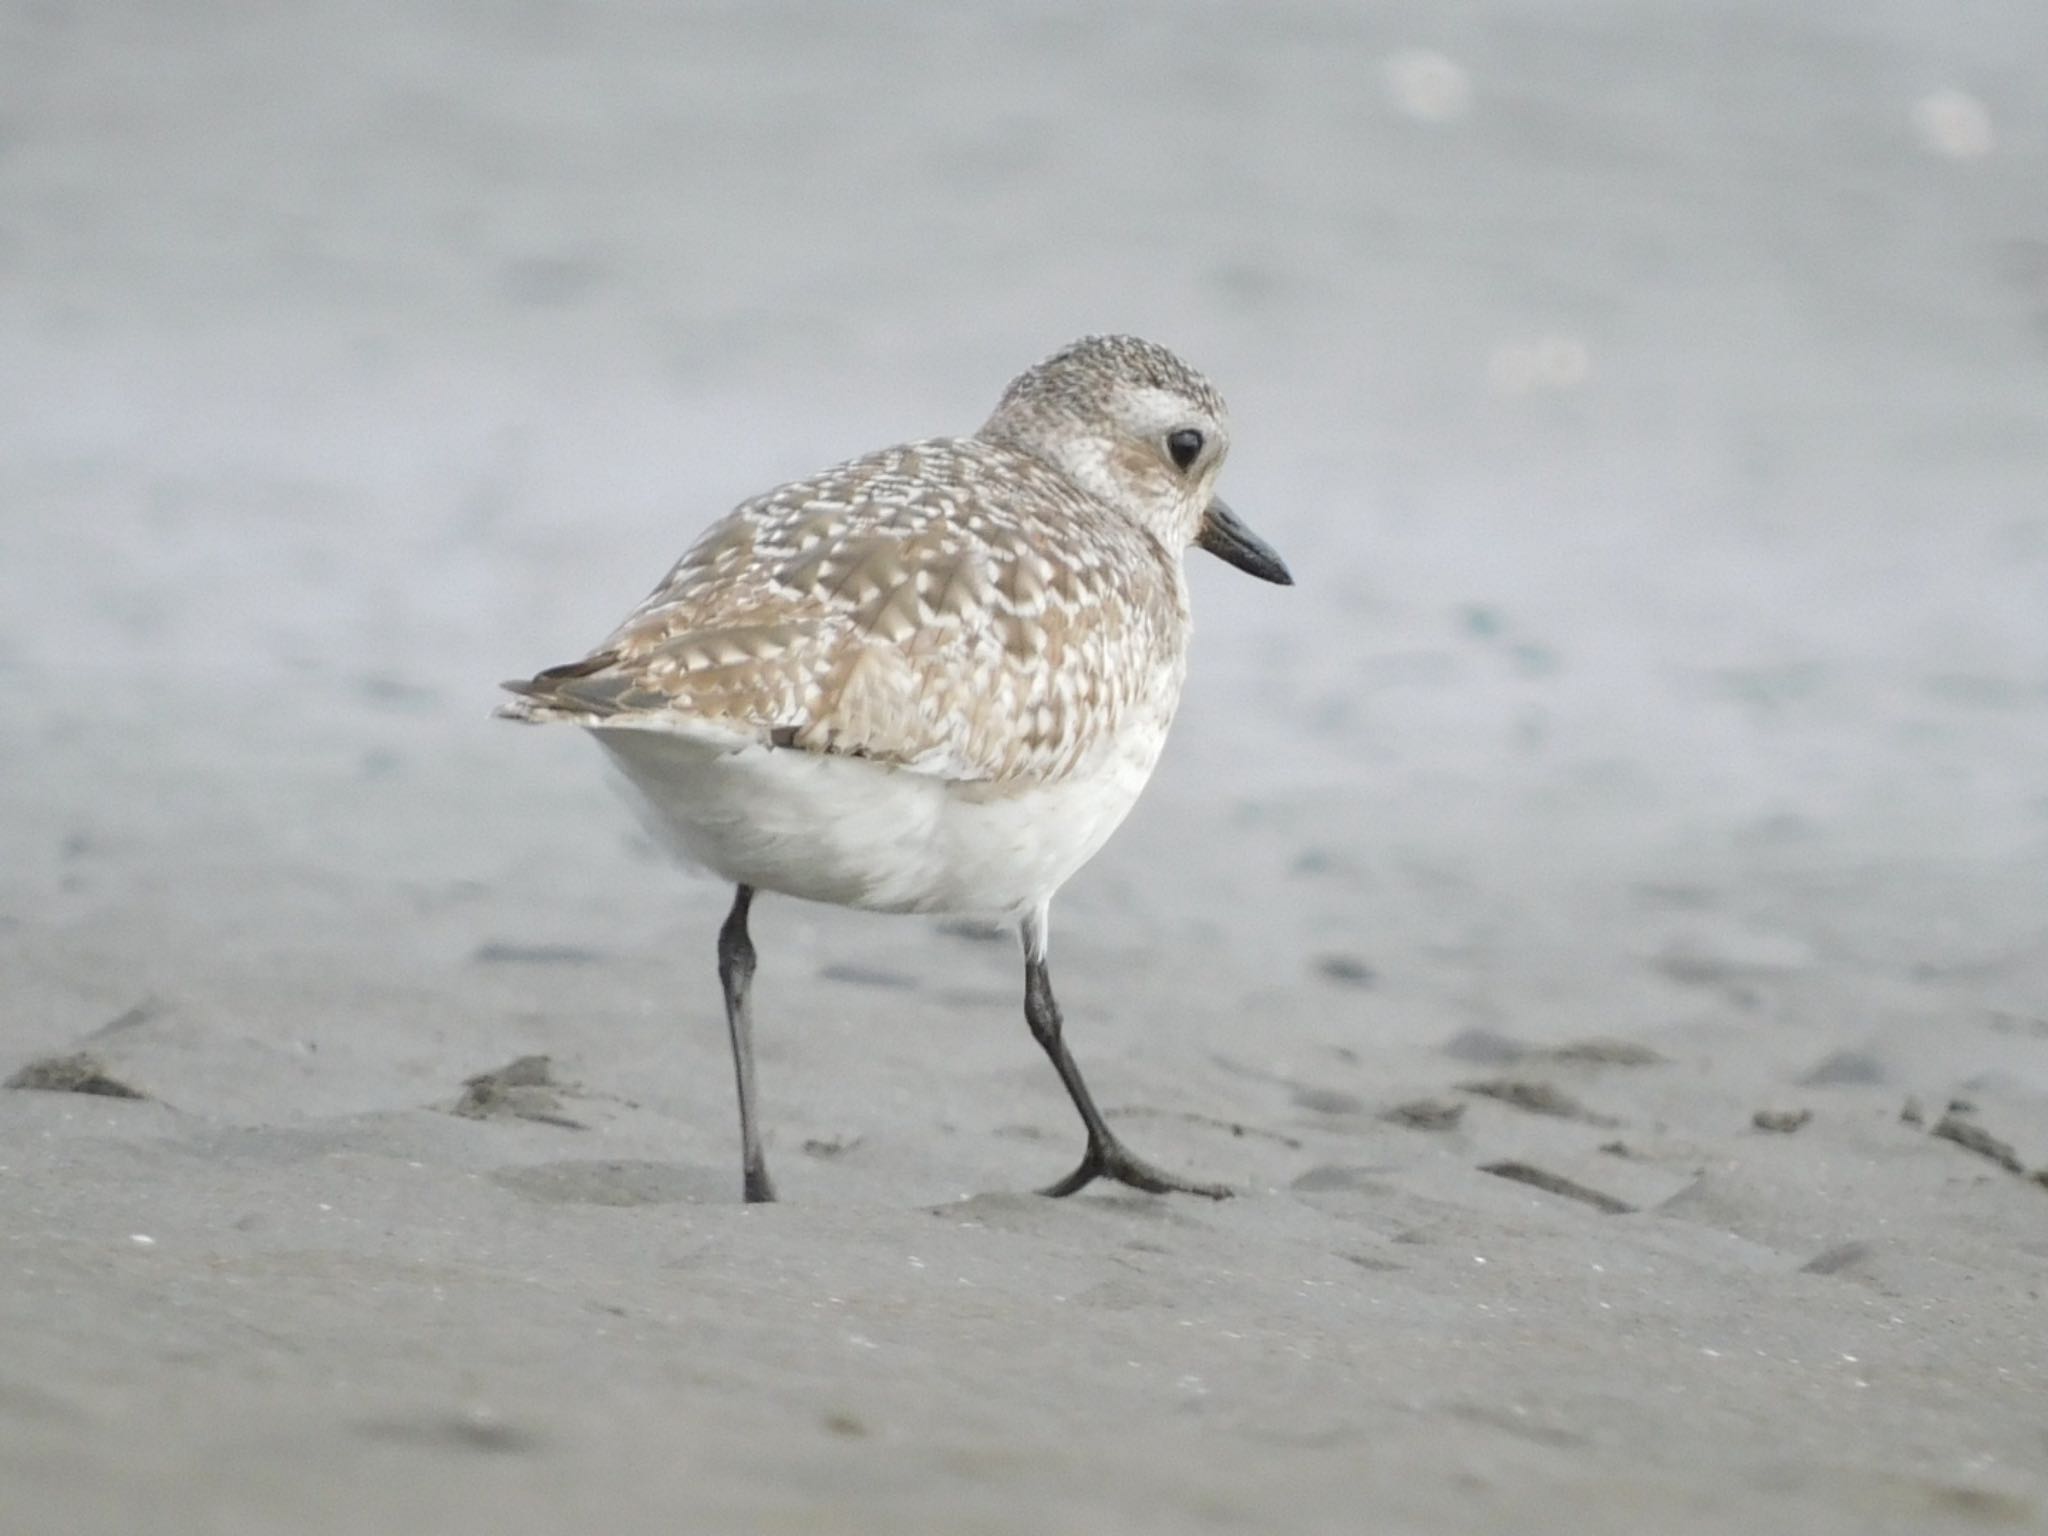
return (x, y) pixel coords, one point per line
(931, 679)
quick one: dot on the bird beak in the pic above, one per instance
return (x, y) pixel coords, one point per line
(1228, 539)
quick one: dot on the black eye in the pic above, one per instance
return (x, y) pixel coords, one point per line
(1185, 446)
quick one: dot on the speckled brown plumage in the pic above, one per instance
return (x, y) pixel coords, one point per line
(952, 606)
(957, 606)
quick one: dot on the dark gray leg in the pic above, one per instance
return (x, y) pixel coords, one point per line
(1106, 1157)
(736, 975)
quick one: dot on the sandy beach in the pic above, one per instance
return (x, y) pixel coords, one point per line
(1598, 920)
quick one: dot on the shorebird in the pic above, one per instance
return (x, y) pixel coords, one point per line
(934, 678)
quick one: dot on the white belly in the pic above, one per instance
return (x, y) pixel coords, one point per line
(858, 834)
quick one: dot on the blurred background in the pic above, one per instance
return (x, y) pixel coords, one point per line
(1652, 399)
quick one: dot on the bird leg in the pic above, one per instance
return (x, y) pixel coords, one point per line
(736, 975)
(1106, 1157)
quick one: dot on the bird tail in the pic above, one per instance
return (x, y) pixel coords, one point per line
(579, 692)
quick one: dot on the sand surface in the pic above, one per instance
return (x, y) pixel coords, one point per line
(1652, 399)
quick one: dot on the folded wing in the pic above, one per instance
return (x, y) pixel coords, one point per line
(902, 608)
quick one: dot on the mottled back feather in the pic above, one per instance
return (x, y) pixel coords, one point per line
(952, 606)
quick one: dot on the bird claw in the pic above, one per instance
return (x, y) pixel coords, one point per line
(1113, 1161)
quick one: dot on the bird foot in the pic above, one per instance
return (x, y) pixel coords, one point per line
(1115, 1162)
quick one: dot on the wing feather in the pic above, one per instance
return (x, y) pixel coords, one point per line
(950, 607)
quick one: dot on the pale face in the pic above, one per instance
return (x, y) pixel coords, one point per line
(1154, 454)
(1135, 427)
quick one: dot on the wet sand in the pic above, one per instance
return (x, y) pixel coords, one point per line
(1572, 917)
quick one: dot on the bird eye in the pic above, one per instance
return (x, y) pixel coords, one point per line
(1185, 446)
